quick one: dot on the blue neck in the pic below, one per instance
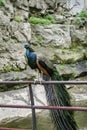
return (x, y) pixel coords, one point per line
(31, 56)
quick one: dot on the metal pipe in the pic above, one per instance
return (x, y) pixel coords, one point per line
(43, 82)
(45, 107)
(11, 129)
(32, 106)
(33, 109)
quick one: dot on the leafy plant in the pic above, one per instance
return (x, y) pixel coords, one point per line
(48, 19)
(1, 2)
(78, 21)
(39, 37)
(17, 19)
(83, 14)
(63, 13)
(35, 20)
(51, 18)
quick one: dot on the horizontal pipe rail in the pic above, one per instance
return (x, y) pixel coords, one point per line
(43, 82)
(33, 107)
(12, 129)
(45, 107)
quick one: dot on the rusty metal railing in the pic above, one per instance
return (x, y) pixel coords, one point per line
(43, 82)
(32, 106)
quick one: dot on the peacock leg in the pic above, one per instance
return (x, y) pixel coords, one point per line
(39, 77)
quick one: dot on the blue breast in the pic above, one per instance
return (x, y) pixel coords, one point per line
(31, 56)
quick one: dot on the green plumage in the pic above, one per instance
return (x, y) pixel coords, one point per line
(61, 90)
(57, 95)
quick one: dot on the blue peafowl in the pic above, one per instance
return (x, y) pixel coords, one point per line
(57, 94)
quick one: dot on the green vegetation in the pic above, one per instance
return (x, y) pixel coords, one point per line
(17, 19)
(1, 2)
(83, 14)
(9, 68)
(51, 18)
(78, 21)
(48, 19)
(35, 20)
(6, 68)
(63, 14)
(39, 38)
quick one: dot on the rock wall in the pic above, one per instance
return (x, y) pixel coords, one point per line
(64, 43)
(76, 5)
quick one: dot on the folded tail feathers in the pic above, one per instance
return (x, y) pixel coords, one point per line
(57, 95)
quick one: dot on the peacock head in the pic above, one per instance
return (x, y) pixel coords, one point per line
(27, 45)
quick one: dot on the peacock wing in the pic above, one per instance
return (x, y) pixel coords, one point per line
(46, 61)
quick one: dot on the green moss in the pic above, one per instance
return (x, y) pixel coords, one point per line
(17, 19)
(1, 2)
(35, 20)
(6, 68)
(39, 38)
(16, 69)
(83, 14)
(63, 14)
(51, 18)
(68, 76)
(9, 68)
(78, 21)
(48, 19)
(3, 88)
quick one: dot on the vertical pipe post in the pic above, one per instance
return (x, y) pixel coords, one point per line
(33, 109)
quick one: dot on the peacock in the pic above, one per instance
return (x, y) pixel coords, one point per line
(57, 95)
